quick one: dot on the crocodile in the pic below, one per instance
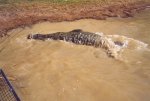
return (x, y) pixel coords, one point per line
(81, 37)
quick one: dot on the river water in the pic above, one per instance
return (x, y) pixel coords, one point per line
(61, 71)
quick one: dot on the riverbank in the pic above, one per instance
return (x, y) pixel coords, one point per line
(25, 14)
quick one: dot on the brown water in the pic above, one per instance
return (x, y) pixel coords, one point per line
(60, 71)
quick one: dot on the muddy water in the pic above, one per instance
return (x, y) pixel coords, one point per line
(61, 71)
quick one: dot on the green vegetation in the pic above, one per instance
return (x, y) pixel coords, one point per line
(4, 1)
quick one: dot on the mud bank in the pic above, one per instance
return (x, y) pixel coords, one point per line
(24, 15)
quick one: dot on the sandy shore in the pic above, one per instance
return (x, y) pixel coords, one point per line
(20, 15)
